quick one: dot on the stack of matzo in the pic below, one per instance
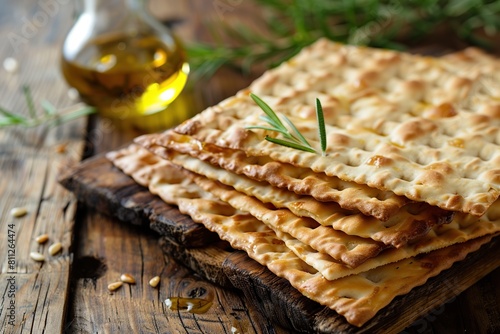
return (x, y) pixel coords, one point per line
(409, 184)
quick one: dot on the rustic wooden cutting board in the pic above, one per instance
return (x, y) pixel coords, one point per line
(98, 184)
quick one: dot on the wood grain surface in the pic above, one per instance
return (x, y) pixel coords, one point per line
(34, 295)
(68, 292)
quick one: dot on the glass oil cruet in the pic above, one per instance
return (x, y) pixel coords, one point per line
(122, 60)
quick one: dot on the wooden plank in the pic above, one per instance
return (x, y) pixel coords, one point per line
(476, 310)
(207, 260)
(35, 294)
(29, 180)
(286, 306)
(139, 307)
(39, 299)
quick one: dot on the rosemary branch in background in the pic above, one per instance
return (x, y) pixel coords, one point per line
(50, 115)
(289, 25)
(294, 139)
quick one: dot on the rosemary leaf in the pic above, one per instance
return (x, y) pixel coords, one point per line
(290, 144)
(51, 116)
(75, 114)
(4, 121)
(321, 126)
(268, 120)
(12, 116)
(296, 131)
(267, 109)
(48, 108)
(29, 101)
(294, 140)
(259, 127)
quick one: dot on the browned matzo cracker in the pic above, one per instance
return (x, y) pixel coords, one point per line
(425, 128)
(411, 221)
(303, 181)
(357, 297)
(464, 227)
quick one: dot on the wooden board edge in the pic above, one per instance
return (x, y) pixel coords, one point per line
(207, 261)
(99, 185)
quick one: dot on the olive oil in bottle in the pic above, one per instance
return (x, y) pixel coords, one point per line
(134, 67)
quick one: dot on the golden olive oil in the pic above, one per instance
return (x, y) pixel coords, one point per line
(127, 76)
(192, 305)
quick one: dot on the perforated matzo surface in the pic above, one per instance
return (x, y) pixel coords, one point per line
(425, 128)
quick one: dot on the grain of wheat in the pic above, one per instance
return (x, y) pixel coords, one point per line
(18, 212)
(127, 278)
(37, 256)
(73, 94)
(114, 286)
(42, 238)
(61, 148)
(154, 281)
(55, 248)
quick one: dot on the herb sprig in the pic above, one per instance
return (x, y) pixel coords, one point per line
(288, 26)
(294, 139)
(50, 116)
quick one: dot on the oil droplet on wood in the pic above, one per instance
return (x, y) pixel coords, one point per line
(192, 305)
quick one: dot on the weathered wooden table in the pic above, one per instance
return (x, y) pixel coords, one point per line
(68, 292)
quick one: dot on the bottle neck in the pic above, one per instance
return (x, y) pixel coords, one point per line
(136, 4)
(95, 6)
(126, 16)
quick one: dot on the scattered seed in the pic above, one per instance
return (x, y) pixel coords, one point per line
(154, 281)
(42, 238)
(18, 212)
(73, 94)
(61, 148)
(10, 65)
(114, 286)
(37, 256)
(127, 278)
(55, 248)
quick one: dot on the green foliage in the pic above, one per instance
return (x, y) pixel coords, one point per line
(49, 116)
(292, 24)
(293, 139)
